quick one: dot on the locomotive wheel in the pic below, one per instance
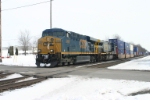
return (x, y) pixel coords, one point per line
(68, 63)
(37, 64)
(54, 64)
(63, 63)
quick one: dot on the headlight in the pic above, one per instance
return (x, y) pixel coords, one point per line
(39, 50)
(51, 50)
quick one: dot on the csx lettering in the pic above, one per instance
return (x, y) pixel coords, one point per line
(82, 43)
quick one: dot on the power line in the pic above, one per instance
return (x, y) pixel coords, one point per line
(25, 6)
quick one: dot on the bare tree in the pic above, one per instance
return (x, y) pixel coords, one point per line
(34, 44)
(140, 48)
(24, 40)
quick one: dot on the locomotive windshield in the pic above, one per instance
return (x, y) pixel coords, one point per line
(54, 33)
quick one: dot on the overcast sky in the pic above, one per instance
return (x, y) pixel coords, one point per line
(97, 18)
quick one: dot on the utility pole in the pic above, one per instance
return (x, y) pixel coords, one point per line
(0, 34)
(51, 14)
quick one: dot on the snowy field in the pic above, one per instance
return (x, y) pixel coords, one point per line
(20, 60)
(137, 64)
(76, 87)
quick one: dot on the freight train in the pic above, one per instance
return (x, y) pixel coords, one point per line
(60, 47)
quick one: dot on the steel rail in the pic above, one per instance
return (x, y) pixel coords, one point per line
(20, 84)
(4, 82)
(4, 75)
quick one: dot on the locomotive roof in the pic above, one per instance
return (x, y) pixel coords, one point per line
(53, 29)
(73, 34)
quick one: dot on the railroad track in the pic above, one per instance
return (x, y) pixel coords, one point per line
(3, 75)
(106, 64)
(11, 84)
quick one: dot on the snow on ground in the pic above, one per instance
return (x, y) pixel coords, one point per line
(79, 88)
(5, 52)
(20, 60)
(137, 64)
(27, 79)
(15, 75)
(12, 76)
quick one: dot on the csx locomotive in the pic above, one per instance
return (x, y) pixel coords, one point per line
(60, 47)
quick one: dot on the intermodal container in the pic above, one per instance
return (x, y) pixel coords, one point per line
(118, 43)
(127, 49)
(119, 47)
(120, 51)
(126, 46)
(131, 53)
(131, 47)
(127, 53)
(141, 53)
(135, 54)
(135, 49)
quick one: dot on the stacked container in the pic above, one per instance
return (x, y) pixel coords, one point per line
(135, 51)
(127, 50)
(131, 50)
(118, 47)
(140, 53)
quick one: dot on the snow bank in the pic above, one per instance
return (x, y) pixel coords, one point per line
(79, 88)
(11, 76)
(138, 64)
(20, 60)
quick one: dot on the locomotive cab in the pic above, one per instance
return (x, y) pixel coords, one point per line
(48, 51)
(49, 48)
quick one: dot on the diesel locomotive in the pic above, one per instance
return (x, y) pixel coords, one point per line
(60, 47)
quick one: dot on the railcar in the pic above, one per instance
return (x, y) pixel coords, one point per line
(107, 51)
(119, 48)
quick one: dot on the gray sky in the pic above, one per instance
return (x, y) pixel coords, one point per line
(97, 18)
